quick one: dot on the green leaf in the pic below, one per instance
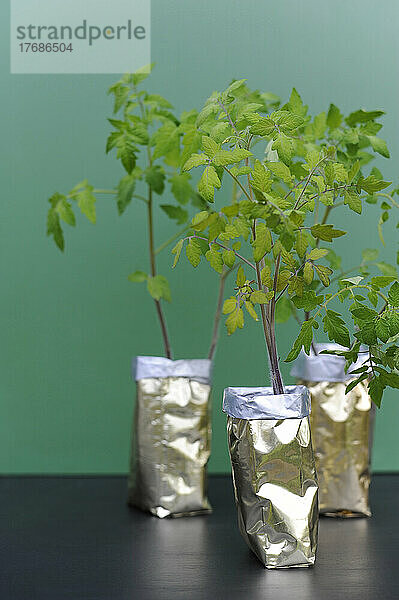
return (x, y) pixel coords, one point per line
(283, 310)
(155, 177)
(381, 281)
(308, 273)
(393, 294)
(251, 310)
(209, 146)
(382, 328)
(126, 188)
(284, 146)
(229, 305)
(64, 209)
(296, 105)
(336, 328)
(317, 253)
(262, 243)
(209, 180)
(301, 243)
(386, 269)
(176, 250)
(379, 145)
(240, 279)
(87, 202)
(352, 199)
(158, 287)
(326, 232)
(376, 390)
(54, 228)
(261, 179)
(214, 257)
(354, 383)
(223, 158)
(177, 213)
(180, 187)
(304, 339)
(234, 320)
(165, 139)
(369, 254)
(371, 184)
(193, 252)
(363, 116)
(280, 170)
(264, 127)
(195, 160)
(137, 277)
(334, 117)
(229, 258)
(259, 297)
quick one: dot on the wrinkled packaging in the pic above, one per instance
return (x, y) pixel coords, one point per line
(342, 427)
(274, 477)
(171, 436)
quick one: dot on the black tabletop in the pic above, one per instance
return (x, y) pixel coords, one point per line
(75, 538)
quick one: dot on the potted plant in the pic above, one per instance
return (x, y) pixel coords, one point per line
(171, 431)
(342, 423)
(279, 255)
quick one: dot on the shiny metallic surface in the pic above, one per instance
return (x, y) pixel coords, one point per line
(262, 403)
(170, 447)
(342, 427)
(275, 487)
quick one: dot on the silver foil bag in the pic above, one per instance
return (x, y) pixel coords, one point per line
(342, 428)
(274, 476)
(171, 437)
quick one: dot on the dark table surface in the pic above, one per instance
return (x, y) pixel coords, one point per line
(75, 538)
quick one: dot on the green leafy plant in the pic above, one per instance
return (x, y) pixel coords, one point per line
(147, 139)
(274, 230)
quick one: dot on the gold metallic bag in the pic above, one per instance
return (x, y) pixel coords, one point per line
(342, 427)
(171, 436)
(274, 476)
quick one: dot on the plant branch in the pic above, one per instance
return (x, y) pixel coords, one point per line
(198, 237)
(218, 313)
(170, 240)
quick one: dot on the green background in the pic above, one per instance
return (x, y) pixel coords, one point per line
(72, 322)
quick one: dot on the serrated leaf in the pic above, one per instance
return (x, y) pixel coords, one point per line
(87, 203)
(158, 288)
(301, 243)
(193, 252)
(371, 184)
(240, 279)
(336, 328)
(177, 213)
(262, 243)
(229, 258)
(352, 199)
(382, 329)
(137, 277)
(155, 177)
(126, 188)
(381, 281)
(284, 146)
(180, 187)
(334, 117)
(215, 259)
(317, 253)
(195, 160)
(209, 146)
(229, 305)
(261, 179)
(251, 310)
(379, 145)
(376, 390)
(308, 273)
(225, 157)
(260, 297)
(283, 310)
(176, 250)
(280, 170)
(326, 232)
(234, 320)
(264, 127)
(393, 294)
(207, 184)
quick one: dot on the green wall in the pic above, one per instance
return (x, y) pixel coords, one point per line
(70, 323)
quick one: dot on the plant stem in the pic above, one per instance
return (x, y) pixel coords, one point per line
(170, 240)
(218, 313)
(161, 317)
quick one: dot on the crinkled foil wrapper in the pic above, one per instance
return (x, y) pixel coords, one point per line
(275, 484)
(171, 438)
(342, 430)
(342, 427)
